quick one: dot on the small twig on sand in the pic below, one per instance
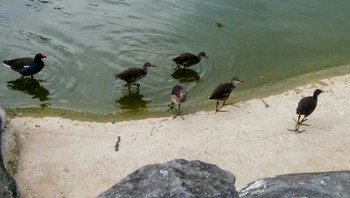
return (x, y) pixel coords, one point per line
(116, 147)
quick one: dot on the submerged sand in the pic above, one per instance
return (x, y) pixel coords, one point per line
(66, 158)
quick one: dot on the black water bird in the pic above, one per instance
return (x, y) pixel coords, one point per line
(188, 59)
(27, 66)
(178, 96)
(305, 107)
(131, 75)
(223, 91)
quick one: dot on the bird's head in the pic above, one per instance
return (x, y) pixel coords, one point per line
(148, 65)
(317, 92)
(236, 80)
(183, 93)
(40, 56)
(202, 54)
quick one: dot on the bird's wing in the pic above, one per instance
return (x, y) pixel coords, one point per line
(306, 105)
(18, 64)
(184, 57)
(130, 73)
(222, 91)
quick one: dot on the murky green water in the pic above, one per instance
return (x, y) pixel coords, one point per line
(87, 42)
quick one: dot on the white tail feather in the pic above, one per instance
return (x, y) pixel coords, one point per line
(7, 65)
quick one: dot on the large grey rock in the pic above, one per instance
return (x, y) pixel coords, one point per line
(327, 184)
(8, 187)
(176, 178)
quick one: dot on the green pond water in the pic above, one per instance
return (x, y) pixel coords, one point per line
(272, 45)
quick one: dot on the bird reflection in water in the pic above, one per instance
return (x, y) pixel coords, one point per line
(185, 75)
(30, 86)
(132, 100)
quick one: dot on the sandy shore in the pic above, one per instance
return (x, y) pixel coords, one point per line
(65, 158)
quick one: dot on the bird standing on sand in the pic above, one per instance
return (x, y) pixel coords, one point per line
(305, 107)
(26, 66)
(223, 91)
(178, 96)
(188, 59)
(131, 75)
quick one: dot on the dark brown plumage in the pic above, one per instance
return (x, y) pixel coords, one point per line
(188, 59)
(178, 96)
(131, 75)
(223, 91)
(305, 107)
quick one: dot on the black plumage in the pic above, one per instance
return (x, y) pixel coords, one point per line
(131, 75)
(27, 66)
(188, 59)
(223, 91)
(178, 96)
(305, 107)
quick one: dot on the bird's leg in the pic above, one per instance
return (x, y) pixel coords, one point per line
(216, 108)
(297, 129)
(297, 125)
(296, 120)
(179, 113)
(219, 109)
(171, 106)
(223, 104)
(32, 76)
(23, 80)
(303, 120)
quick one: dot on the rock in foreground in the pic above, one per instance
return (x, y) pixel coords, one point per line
(327, 184)
(176, 178)
(8, 187)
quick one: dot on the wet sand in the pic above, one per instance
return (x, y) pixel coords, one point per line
(66, 158)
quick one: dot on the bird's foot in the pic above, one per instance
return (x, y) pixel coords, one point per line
(302, 121)
(219, 110)
(233, 104)
(296, 130)
(178, 114)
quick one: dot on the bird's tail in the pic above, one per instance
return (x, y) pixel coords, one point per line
(5, 62)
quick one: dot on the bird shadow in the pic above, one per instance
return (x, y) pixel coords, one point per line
(185, 75)
(132, 101)
(30, 86)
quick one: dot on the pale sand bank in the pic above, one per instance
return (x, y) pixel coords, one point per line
(65, 158)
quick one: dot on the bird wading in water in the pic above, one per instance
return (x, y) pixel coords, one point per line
(27, 66)
(188, 59)
(131, 75)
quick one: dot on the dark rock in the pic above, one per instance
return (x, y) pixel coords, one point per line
(176, 178)
(327, 184)
(8, 187)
